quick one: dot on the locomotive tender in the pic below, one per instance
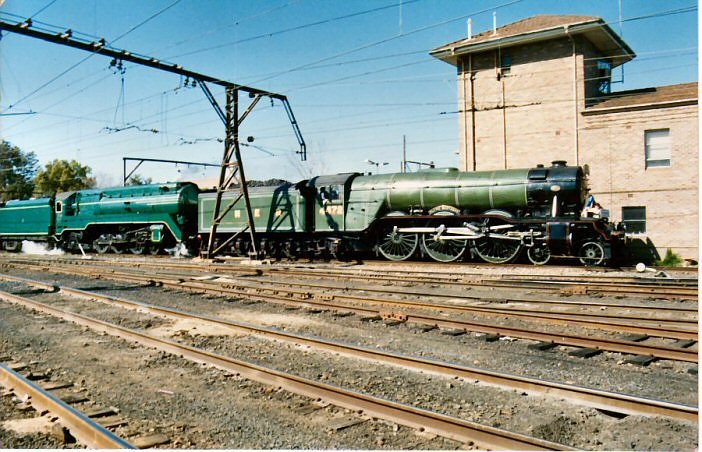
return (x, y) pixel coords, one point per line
(442, 213)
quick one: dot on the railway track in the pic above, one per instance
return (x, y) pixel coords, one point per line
(453, 296)
(647, 287)
(360, 305)
(609, 401)
(86, 430)
(446, 426)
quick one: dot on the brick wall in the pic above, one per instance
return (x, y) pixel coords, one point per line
(612, 145)
(537, 113)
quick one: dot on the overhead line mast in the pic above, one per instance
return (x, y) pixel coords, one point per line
(232, 168)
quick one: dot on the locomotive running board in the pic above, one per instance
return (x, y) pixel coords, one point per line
(466, 233)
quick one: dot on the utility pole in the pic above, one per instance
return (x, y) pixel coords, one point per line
(404, 154)
(232, 168)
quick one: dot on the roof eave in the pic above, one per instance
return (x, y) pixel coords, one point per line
(595, 110)
(451, 54)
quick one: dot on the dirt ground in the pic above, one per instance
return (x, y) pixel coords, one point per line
(201, 407)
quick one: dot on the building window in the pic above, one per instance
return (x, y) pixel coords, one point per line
(604, 75)
(505, 64)
(657, 148)
(634, 218)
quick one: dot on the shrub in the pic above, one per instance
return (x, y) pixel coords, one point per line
(670, 260)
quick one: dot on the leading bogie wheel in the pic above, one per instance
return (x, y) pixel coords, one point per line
(591, 253)
(397, 246)
(539, 254)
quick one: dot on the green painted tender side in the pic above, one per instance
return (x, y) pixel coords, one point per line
(374, 196)
(170, 204)
(32, 217)
(275, 209)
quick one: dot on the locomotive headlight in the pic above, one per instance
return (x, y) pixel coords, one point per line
(555, 188)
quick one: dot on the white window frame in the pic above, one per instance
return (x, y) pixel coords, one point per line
(658, 147)
(638, 221)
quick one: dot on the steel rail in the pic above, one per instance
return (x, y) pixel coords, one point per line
(568, 303)
(661, 329)
(85, 430)
(513, 281)
(486, 281)
(612, 345)
(440, 424)
(504, 309)
(605, 400)
(301, 299)
(509, 282)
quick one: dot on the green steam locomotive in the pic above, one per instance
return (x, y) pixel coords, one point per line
(441, 214)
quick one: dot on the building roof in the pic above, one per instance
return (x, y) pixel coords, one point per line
(671, 95)
(540, 28)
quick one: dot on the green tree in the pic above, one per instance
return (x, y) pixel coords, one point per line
(138, 179)
(62, 175)
(17, 170)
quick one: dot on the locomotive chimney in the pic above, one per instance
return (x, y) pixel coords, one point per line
(558, 163)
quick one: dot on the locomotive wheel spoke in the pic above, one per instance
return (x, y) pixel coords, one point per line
(396, 246)
(591, 253)
(492, 249)
(497, 251)
(137, 249)
(99, 247)
(539, 254)
(443, 250)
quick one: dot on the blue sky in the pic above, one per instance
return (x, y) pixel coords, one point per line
(357, 73)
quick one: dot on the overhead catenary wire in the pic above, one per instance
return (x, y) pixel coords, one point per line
(628, 19)
(652, 55)
(552, 101)
(81, 61)
(291, 29)
(388, 39)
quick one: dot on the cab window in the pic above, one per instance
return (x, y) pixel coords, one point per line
(59, 206)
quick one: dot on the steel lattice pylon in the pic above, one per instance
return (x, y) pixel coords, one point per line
(232, 168)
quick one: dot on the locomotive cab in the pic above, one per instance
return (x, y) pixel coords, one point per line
(330, 200)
